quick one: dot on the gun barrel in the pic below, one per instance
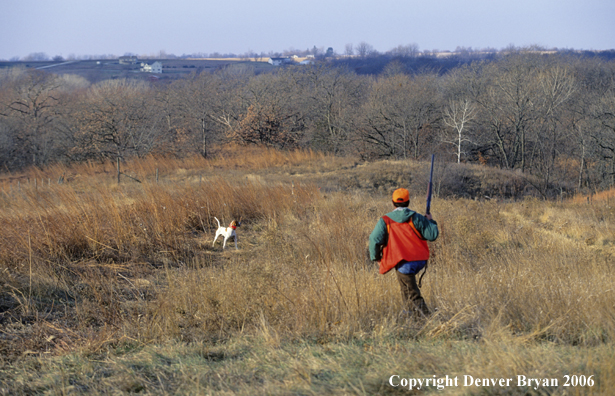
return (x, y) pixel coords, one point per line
(429, 186)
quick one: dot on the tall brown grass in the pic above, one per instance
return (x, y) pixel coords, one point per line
(599, 196)
(90, 265)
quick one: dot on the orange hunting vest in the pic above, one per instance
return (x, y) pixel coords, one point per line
(405, 243)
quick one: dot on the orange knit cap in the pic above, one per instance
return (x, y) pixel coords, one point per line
(401, 195)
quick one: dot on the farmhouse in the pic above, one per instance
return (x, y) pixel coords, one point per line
(155, 67)
(280, 61)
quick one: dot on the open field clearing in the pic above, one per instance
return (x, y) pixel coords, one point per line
(116, 288)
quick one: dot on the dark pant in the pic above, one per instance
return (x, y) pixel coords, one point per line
(411, 294)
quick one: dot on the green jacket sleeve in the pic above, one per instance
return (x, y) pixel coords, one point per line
(377, 239)
(427, 228)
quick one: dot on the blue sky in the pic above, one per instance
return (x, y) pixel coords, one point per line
(145, 27)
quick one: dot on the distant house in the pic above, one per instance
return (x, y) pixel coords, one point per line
(155, 67)
(128, 60)
(280, 61)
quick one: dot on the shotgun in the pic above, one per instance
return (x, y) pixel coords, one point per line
(428, 209)
(429, 186)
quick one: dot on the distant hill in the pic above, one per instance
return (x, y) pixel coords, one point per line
(444, 61)
(98, 70)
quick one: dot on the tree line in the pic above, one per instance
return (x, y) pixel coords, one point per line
(549, 116)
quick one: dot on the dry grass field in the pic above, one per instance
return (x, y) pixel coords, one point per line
(110, 288)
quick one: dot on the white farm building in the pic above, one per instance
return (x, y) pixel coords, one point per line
(155, 67)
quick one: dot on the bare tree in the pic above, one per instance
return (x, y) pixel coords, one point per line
(349, 50)
(401, 115)
(36, 57)
(585, 111)
(457, 115)
(393, 68)
(208, 106)
(406, 51)
(272, 115)
(118, 118)
(192, 98)
(604, 135)
(506, 93)
(30, 107)
(553, 125)
(333, 97)
(364, 49)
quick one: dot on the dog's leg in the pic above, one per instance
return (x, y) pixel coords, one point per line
(217, 233)
(215, 239)
(235, 238)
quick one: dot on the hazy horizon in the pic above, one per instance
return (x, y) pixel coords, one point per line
(73, 28)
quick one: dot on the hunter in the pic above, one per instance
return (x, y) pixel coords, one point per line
(399, 241)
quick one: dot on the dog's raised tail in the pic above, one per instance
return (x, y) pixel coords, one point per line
(217, 221)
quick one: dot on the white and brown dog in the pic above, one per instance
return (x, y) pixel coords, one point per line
(226, 232)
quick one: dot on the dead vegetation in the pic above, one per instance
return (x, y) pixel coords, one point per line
(108, 287)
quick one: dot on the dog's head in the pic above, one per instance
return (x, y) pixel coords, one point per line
(234, 224)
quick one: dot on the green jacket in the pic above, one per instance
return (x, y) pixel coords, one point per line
(379, 236)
